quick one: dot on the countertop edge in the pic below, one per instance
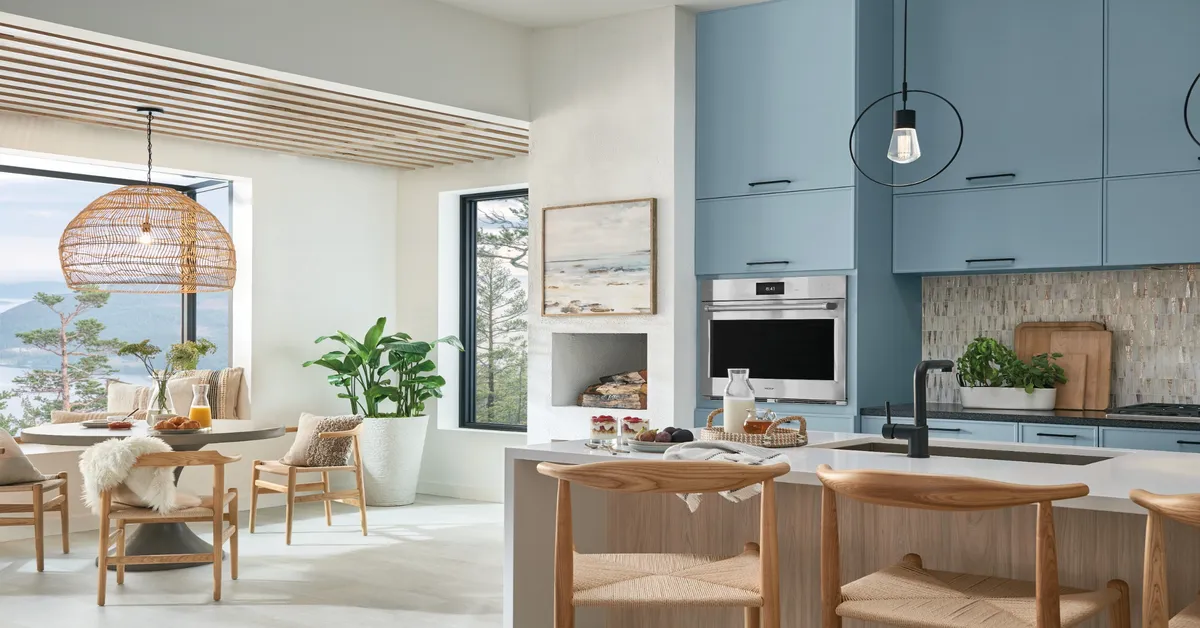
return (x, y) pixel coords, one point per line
(1049, 417)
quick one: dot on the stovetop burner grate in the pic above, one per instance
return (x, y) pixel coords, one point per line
(1159, 409)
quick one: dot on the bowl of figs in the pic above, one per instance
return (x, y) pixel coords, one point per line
(658, 441)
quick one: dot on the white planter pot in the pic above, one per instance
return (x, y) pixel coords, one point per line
(1008, 398)
(391, 457)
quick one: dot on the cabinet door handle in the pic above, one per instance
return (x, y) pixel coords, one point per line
(992, 260)
(1187, 442)
(984, 177)
(945, 429)
(1053, 435)
(755, 184)
(771, 263)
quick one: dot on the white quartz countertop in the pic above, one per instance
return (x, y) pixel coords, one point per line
(1110, 480)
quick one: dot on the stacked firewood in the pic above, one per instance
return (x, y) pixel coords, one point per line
(623, 390)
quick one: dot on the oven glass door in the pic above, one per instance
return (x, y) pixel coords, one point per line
(795, 351)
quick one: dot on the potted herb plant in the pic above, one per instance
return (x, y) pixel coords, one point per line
(387, 380)
(990, 375)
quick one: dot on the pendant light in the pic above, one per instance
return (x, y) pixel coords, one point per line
(904, 147)
(147, 239)
(1187, 101)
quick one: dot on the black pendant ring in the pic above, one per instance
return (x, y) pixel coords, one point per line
(952, 157)
(1187, 101)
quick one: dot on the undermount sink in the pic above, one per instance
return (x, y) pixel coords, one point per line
(936, 451)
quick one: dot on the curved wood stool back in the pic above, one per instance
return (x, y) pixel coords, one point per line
(955, 494)
(1156, 611)
(675, 476)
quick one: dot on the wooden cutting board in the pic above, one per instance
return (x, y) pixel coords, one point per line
(1097, 345)
(1071, 394)
(1032, 339)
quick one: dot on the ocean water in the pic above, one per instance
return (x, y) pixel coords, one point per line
(619, 284)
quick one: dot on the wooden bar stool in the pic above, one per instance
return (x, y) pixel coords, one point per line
(1155, 603)
(908, 594)
(40, 504)
(749, 580)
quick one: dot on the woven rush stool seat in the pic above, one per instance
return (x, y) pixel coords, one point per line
(1188, 617)
(906, 594)
(668, 580)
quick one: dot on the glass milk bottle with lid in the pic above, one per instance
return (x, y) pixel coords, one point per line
(739, 400)
(201, 412)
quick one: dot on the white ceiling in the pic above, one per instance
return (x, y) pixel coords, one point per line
(543, 13)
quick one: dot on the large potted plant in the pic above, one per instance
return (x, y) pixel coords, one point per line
(387, 380)
(990, 375)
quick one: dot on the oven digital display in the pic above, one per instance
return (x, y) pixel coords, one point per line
(768, 287)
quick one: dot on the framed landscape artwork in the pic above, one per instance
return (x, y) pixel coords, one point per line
(598, 259)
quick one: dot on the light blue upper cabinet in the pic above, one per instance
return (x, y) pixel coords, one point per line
(1028, 78)
(1019, 227)
(1152, 220)
(777, 232)
(1153, 56)
(774, 97)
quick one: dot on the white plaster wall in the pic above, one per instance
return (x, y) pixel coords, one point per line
(415, 48)
(316, 243)
(613, 118)
(457, 462)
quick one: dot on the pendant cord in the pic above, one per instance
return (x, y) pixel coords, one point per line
(149, 147)
(904, 83)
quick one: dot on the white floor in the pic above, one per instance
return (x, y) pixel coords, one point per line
(436, 563)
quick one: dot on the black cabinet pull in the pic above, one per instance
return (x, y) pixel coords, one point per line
(1052, 435)
(1187, 442)
(945, 429)
(755, 184)
(1003, 175)
(985, 260)
(772, 263)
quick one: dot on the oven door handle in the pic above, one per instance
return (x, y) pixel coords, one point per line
(826, 305)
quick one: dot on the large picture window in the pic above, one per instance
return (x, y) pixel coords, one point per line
(495, 301)
(58, 347)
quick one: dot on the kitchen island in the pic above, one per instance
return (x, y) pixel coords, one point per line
(1100, 536)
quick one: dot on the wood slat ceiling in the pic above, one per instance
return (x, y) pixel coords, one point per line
(58, 76)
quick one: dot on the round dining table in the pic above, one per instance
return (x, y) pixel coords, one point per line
(156, 538)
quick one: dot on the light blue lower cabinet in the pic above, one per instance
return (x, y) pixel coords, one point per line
(1156, 440)
(951, 429)
(1050, 434)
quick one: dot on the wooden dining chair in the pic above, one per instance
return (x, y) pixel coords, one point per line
(1156, 611)
(37, 508)
(219, 508)
(908, 594)
(749, 580)
(356, 497)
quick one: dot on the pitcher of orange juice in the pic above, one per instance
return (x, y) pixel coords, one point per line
(201, 412)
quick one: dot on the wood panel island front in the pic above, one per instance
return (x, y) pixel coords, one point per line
(1100, 537)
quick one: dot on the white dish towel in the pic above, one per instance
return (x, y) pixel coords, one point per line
(724, 451)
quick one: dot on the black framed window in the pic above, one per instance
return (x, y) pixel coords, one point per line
(37, 309)
(495, 303)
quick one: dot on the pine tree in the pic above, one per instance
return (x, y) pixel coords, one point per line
(500, 326)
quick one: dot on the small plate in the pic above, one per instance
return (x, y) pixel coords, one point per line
(648, 447)
(194, 430)
(93, 425)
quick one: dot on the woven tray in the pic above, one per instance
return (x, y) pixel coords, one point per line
(775, 436)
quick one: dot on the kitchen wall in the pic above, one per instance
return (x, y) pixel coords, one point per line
(613, 108)
(1154, 315)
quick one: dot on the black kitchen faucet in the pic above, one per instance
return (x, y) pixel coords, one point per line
(917, 434)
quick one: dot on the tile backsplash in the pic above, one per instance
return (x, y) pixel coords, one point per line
(1154, 315)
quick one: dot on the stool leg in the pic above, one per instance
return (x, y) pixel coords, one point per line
(752, 618)
(291, 505)
(328, 505)
(64, 513)
(1118, 614)
(39, 528)
(254, 494)
(120, 552)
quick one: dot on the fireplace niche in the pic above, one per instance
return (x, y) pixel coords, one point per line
(579, 361)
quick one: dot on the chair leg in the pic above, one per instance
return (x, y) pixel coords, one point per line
(328, 504)
(254, 494)
(291, 505)
(39, 528)
(64, 513)
(102, 561)
(218, 550)
(1118, 613)
(120, 552)
(752, 617)
(362, 501)
(233, 539)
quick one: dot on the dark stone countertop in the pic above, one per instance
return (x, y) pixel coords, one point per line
(1060, 417)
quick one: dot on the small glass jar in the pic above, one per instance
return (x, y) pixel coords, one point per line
(757, 421)
(201, 412)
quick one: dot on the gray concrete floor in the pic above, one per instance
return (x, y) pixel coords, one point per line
(435, 563)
